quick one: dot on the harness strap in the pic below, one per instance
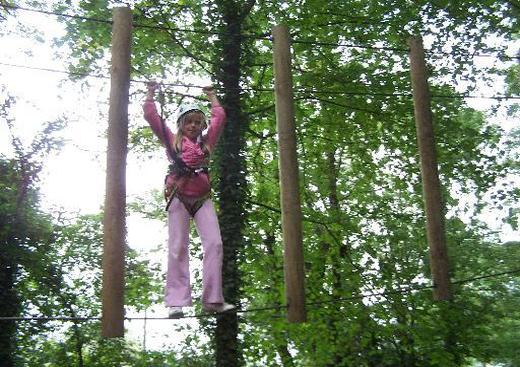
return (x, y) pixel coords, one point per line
(178, 166)
(192, 205)
(170, 191)
(172, 154)
(186, 170)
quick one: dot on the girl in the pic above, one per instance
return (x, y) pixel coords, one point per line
(187, 193)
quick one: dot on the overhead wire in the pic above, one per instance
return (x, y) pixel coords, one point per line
(348, 45)
(363, 20)
(72, 73)
(48, 12)
(412, 288)
(134, 24)
(353, 18)
(258, 89)
(263, 36)
(401, 94)
(369, 21)
(407, 289)
(400, 49)
(96, 318)
(486, 276)
(259, 36)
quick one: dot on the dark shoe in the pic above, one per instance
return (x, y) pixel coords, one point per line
(175, 312)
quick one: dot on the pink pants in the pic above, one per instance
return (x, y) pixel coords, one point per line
(178, 289)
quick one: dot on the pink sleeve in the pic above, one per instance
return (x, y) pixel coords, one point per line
(153, 118)
(217, 122)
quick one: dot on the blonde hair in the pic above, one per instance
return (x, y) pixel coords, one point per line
(177, 141)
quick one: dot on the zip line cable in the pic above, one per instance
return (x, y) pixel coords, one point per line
(467, 280)
(262, 36)
(245, 89)
(497, 56)
(296, 90)
(300, 90)
(498, 97)
(47, 12)
(353, 18)
(402, 290)
(201, 315)
(135, 25)
(412, 288)
(348, 45)
(398, 49)
(72, 73)
(131, 80)
(408, 95)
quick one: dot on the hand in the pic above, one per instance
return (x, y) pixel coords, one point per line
(210, 93)
(152, 86)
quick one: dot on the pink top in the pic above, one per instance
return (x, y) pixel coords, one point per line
(191, 153)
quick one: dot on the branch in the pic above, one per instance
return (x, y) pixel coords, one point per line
(260, 110)
(310, 97)
(260, 136)
(515, 4)
(265, 206)
(246, 9)
(186, 51)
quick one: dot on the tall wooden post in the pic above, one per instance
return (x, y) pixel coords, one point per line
(114, 221)
(439, 262)
(289, 177)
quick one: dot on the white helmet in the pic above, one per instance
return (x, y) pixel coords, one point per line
(187, 107)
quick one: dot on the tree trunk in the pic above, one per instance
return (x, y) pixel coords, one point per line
(433, 202)
(9, 306)
(10, 303)
(114, 219)
(232, 183)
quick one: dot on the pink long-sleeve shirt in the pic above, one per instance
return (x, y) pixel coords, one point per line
(191, 152)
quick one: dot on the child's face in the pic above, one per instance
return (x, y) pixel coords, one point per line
(193, 125)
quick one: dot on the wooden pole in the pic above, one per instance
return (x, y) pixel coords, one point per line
(289, 177)
(439, 262)
(114, 221)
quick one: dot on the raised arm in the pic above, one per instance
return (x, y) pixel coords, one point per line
(150, 114)
(217, 119)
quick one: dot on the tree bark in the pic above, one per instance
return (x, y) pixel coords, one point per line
(9, 306)
(114, 221)
(433, 203)
(289, 177)
(232, 184)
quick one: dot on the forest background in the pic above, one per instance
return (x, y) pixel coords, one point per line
(366, 258)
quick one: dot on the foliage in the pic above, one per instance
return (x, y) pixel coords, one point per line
(75, 292)
(25, 230)
(51, 268)
(366, 257)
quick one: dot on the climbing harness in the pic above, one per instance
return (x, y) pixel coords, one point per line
(180, 169)
(191, 204)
